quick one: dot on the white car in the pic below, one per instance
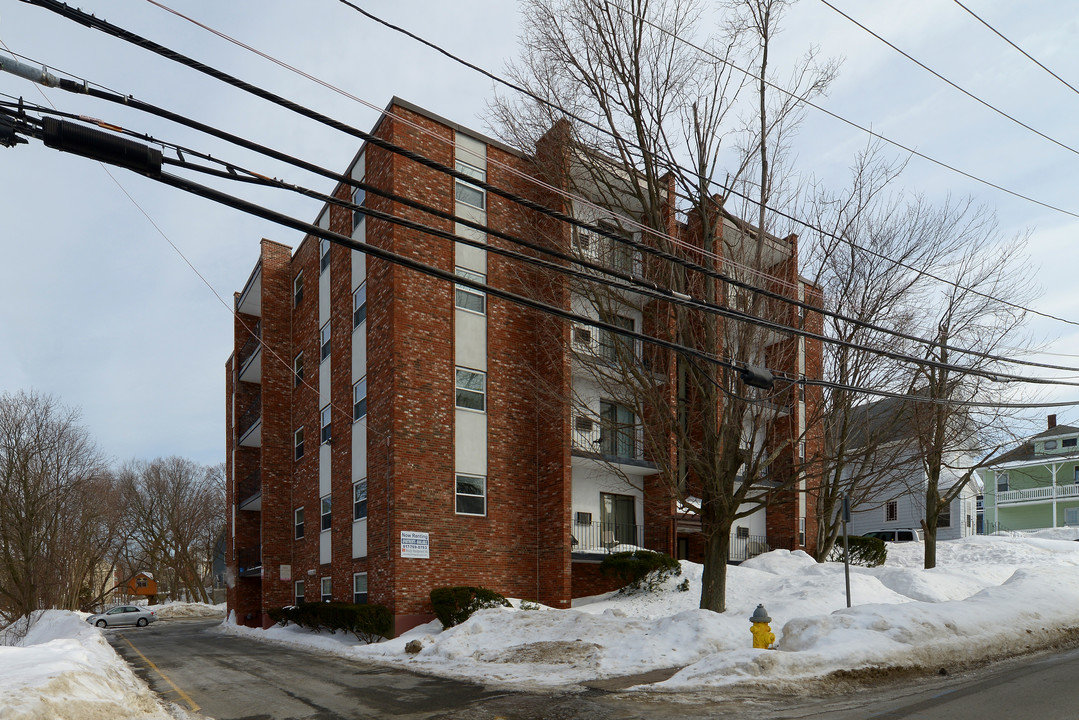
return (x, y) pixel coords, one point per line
(898, 535)
(123, 615)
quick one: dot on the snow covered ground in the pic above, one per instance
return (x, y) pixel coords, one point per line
(989, 596)
(64, 668)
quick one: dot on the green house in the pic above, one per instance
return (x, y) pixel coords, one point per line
(1035, 485)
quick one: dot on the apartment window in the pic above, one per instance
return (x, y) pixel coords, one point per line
(297, 521)
(298, 592)
(297, 369)
(891, 511)
(471, 389)
(466, 298)
(802, 450)
(359, 500)
(359, 197)
(617, 430)
(1075, 474)
(1071, 516)
(297, 288)
(323, 254)
(359, 399)
(619, 254)
(324, 341)
(611, 343)
(944, 520)
(1002, 481)
(466, 192)
(359, 305)
(801, 531)
(297, 441)
(327, 587)
(1068, 442)
(359, 588)
(471, 495)
(326, 512)
(326, 415)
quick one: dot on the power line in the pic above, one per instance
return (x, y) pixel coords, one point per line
(1064, 82)
(25, 126)
(130, 101)
(734, 192)
(629, 282)
(937, 75)
(135, 39)
(75, 87)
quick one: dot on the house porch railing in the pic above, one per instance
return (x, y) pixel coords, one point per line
(1039, 494)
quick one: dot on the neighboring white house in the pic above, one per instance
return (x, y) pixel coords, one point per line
(896, 498)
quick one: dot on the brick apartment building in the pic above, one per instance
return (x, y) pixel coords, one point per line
(389, 433)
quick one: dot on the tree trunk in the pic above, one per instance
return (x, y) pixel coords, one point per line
(714, 577)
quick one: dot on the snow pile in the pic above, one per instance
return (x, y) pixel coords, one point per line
(63, 668)
(187, 610)
(988, 596)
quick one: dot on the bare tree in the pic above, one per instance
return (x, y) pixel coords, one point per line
(980, 308)
(175, 509)
(650, 117)
(57, 526)
(867, 250)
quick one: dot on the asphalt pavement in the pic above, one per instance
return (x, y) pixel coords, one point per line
(225, 677)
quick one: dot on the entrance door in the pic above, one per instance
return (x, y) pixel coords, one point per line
(618, 517)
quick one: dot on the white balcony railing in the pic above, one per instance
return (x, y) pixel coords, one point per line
(1039, 494)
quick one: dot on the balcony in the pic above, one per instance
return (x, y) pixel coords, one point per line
(250, 300)
(250, 561)
(1049, 493)
(249, 427)
(610, 443)
(747, 546)
(249, 492)
(596, 538)
(250, 357)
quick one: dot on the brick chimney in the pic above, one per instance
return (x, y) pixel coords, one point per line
(1052, 421)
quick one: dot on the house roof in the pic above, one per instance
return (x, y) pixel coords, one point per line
(1026, 453)
(1058, 430)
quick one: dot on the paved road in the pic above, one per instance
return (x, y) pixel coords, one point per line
(229, 678)
(235, 678)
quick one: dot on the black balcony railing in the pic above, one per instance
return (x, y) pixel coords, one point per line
(249, 561)
(251, 344)
(250, 416)
(606, 537)
(249, 485)
(617, 441)
(744, 547)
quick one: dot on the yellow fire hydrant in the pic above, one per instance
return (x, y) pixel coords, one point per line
(763, 637)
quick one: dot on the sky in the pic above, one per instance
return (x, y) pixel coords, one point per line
(988, 597)
(116, 292)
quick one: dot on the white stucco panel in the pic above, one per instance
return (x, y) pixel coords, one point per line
(471, 442)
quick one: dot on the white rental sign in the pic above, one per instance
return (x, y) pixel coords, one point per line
(415, 544)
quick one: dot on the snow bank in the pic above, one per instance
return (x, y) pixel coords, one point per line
(64, 668)
(988, 596)
(187, 610)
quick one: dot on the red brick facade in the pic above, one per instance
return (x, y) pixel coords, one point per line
(523, 545)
